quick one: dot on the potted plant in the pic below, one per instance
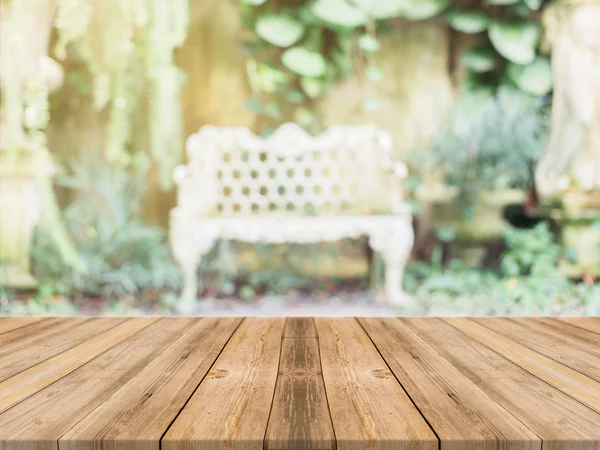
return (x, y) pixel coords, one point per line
(482, 168)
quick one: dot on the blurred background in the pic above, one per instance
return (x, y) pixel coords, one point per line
(494, 106)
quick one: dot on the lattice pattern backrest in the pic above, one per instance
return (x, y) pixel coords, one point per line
(339, 172)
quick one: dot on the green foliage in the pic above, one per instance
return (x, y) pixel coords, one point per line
(469, 22)
(495, 149)
(122, 253)
(326, 33)
(479, 59)
(304, 62)
(516, 39)
(530, 252)
(279, 30)
(458, 290)
(534, 78)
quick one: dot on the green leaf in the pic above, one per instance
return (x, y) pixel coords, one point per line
(281, 31)
(368, 43)
(425, 9)
(469, 21)
(387, 9)
(534, 78)
(253, 2)
(313, 87)
(304, 62)
(516, 40)
(502, 2)
(533, 4)
(479, 60)
(339, 12)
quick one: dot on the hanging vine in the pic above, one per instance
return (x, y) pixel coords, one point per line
(301, 49)
(128, 48)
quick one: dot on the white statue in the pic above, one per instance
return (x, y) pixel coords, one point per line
(572, 156)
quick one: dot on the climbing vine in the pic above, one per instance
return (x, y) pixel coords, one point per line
(300, 49)
(128, 48)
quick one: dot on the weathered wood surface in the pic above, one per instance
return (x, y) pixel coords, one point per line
(299, 383)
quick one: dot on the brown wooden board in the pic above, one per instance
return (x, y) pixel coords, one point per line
(140, 411)
(12, 323)
(37, 422)
(462, 414)
(587, 323)
(15, 359)
(558, 419)
(299, 384)
(28, 382)
(369, 409)
(230, 409)
(569, 381)
(300, 413)
(584, 358)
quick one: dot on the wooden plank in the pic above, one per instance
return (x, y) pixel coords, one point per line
(369, 409)
(561, 377)
(38, 377)
(300, 415)
(15, 360)
(39, 421)
(11, 323)
(153, 398)
(230, 409)
(559, 420)
(585, 360)
(586, 340)
(587, 323)
(23, 335)
(299, 327)
(463, 416)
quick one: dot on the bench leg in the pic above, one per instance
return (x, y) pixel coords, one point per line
(188, 253)
(394, 241)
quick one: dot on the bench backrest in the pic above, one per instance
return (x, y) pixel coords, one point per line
(233, 172)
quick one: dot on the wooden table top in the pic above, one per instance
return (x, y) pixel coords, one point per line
(299, 383)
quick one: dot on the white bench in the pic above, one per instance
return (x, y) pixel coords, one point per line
(290, 187)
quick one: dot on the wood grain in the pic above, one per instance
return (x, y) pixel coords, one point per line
(20, 336)
(536, 336)
(369, 409)
(559, 420)
(28, 382)
(569, 381)
(15, 359)
(39, 421)
(300, 415)
(586, 340)
(153, 397)
(299, 384)
(587, 323)
(463, 416)
(11, 323)
(300, 327)
(230, 409)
